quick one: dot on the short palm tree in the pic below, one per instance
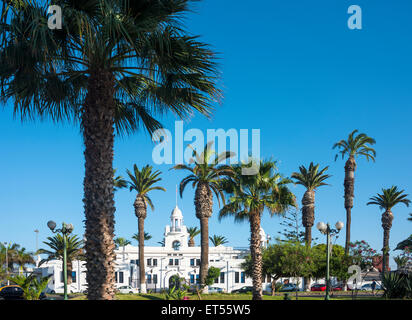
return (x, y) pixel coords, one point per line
(147, 236)
(118, 181)
(193, 232)
(56, 251)
(121, 242)
(204, 175)
(218, 240)
(113, 67)
(249, 196)
(386, 201)
(22, 257)
(311, 178)
(143, 181)
(357, 145)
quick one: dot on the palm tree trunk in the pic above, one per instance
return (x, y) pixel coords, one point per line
(349, 185)
(308, 219)
(387, 218)
(98, 134)
(142, 273)
(204, 205)
(191, 242)
(256, 254)
(204, 254)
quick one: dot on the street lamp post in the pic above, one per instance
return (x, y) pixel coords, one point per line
(329, 232)
(7, 263)
(65, 230)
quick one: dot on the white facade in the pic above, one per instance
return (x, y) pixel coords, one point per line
(161, 263)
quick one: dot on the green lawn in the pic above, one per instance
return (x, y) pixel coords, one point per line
(222, 296)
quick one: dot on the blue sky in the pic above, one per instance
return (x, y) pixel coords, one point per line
(292, 69)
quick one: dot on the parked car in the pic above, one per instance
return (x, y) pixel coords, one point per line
(337, 287)
(127, 289)
(318, 287)
(243, 290)
(289, 287)
(215, 290)
(14, 292)
(368, 287)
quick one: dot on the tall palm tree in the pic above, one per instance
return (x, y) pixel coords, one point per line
(113, 67)
(143, 181)
(118, 181)
(193, 232)
(386, 201)
(357, 145)
(12, 249)
(204, 175)
(249, 197)
(311, 178)
(218, 240)
(56, 244)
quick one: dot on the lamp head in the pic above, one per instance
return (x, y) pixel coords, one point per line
(321, 227)
(69, 228)
(52, 225)
(339, 225)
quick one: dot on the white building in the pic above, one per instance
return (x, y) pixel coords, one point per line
(162, 262)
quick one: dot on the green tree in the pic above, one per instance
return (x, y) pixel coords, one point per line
(311, 178)
(193, 232)
(249, 196)
(297, 261)
(362, 254)
(56, 251)
(218, 240)
(357, 145)
(143, 182)
(339, 262)
(386, 201)
(112, 67)
(204, 175)
(292, 225)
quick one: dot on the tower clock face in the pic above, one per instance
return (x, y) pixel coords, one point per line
(176, 245)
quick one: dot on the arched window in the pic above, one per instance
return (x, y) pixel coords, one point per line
(176, 245)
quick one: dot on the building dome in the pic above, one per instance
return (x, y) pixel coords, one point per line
(176, 213)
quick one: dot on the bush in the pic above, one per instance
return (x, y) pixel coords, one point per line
(397, 286)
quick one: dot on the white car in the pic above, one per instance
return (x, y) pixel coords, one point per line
(215, 290)
(127, 289)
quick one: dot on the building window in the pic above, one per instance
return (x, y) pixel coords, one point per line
(170, 262)
(155, 262)
(137, 262)
(236, 277)
(197, 279)
(198, 262)
(242, 277)
(222, 277)
(74, 280)
(176, 262)
(176, 245)
(217, 280)
(155, 278)
(149, 262)
(192, 278)
(192, 262)
(149, 279)
(119, 277)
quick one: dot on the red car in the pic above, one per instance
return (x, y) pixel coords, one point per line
(318, 287)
